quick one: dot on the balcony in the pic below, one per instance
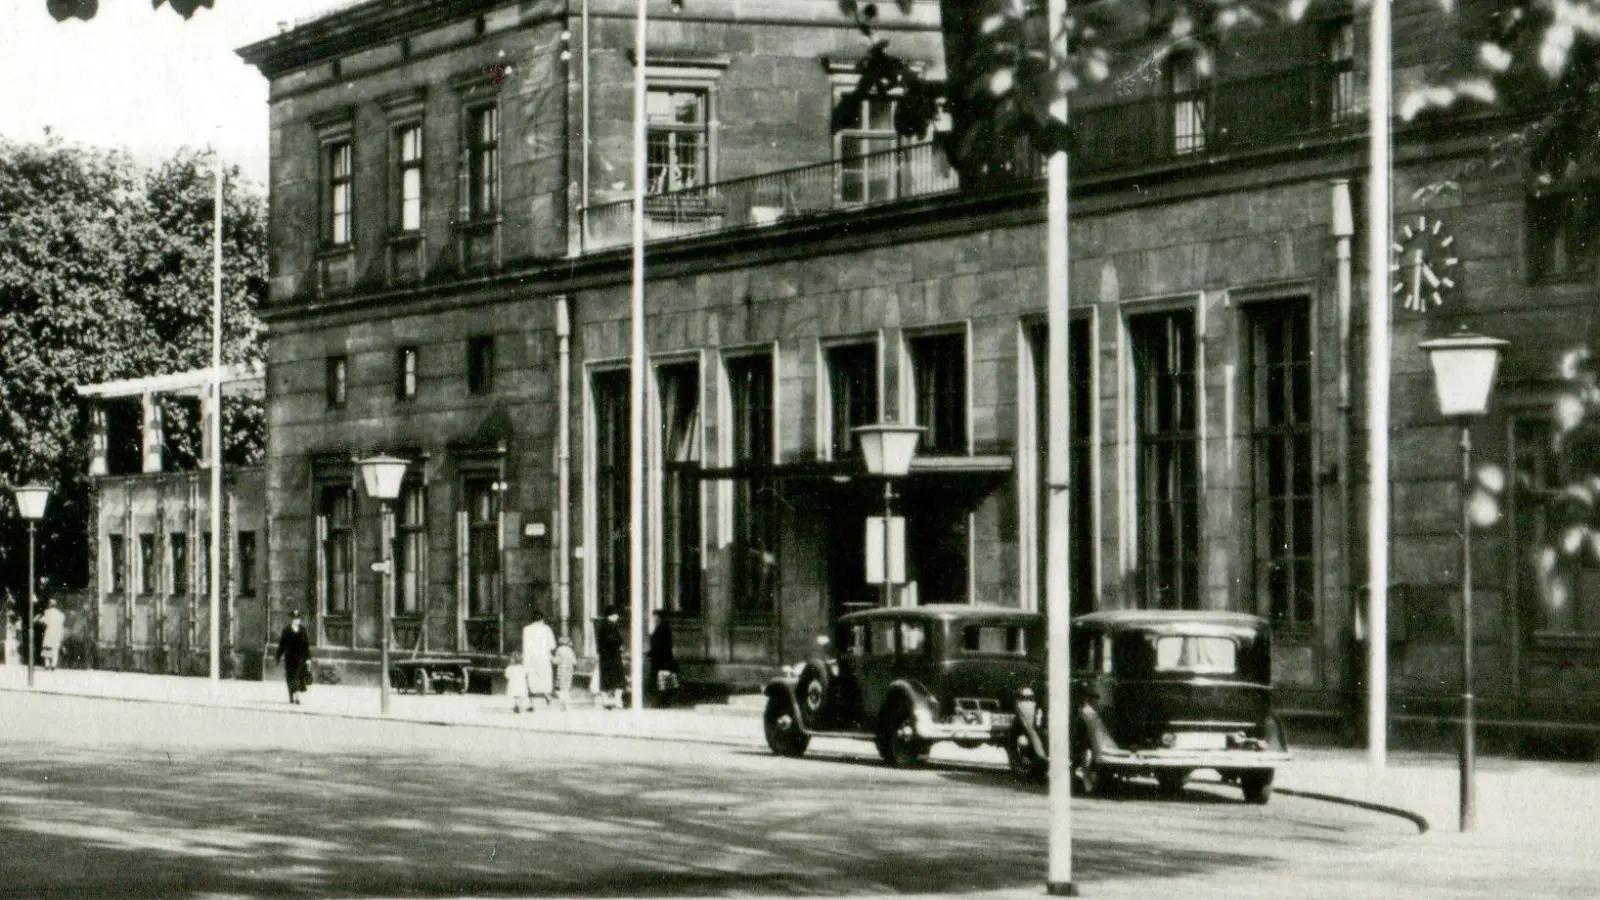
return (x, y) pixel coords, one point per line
(763, 200)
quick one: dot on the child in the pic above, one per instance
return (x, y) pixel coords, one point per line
(517, 684)
(566, 665)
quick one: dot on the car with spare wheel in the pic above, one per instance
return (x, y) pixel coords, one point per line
(909, 677)
(1162, 693)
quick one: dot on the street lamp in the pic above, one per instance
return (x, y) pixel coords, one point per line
(1463, 372)
(31, 500)
(888, 448)
(382, 476)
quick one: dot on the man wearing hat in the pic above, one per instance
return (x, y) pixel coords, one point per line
(294, 650)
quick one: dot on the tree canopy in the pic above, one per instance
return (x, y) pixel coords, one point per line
(63, 10)
(105, 274)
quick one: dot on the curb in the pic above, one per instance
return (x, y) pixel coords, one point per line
(1414, 818)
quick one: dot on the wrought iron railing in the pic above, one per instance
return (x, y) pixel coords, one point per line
(761, 200)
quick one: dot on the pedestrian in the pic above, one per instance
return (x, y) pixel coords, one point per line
(55, 627)
(566, 661)
(517, 684)
(663, 665)
(538, 643)
(608, 643)
(294, 650)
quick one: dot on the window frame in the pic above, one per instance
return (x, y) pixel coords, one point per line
(336, 383)
(117, 550)
(479, 510)
(411, 546)
(245, 561)
(1557, 221)
(403, 165)
(338, 186)
(839, 421)
(1188, 102)
(947, 419)
(336, 528)
(610, 415)
(656, 173)
(482, 199)
(406, 360)
(178, 563)
(149, 564)
(481, 363)
(1170, 448)
(1337, 53)
(753, 405)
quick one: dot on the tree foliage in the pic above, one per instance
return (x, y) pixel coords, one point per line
(63, 10)
(105, 274)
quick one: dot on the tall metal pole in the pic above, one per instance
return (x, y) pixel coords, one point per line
(636, 543)
(29, 623)
(1469, 723)
(1058, 587)
(386, 602)
(1378, 339)
(215, 562)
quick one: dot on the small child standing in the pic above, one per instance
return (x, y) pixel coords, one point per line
(517, 684)
(566, 666)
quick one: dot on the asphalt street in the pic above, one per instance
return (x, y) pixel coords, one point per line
(103, 798)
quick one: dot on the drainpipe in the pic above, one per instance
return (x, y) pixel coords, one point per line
(1343, 229)
(583, 147)
(564, 460)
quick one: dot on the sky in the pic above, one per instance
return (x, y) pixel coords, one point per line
(143, 79)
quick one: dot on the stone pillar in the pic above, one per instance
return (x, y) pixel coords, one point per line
(151, 438)
(98, 440)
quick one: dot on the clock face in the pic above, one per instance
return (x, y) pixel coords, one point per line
(1425, 263)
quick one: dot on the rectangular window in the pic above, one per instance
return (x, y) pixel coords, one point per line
(939, 374)
(868, 172)
(405, 373)
(1188, 92)
(913, 638)
(678, 141)
(1562, 228)
(147, 564)
(852, 395)
(613, 513)
(410, 548)
(178, 551)
(336, 547)
(755, 501)
(119, 563)
(246, 564)
(408, 177)
(338, 381)
(1561, 572)
(1005, 639)
(1339, 68)
(1080, 428)
(1166, 422)
(1196, 654)
(338, 187)
(482, 515)
(679, 387)
(483, 162)
(1284, 468)
(480, 364)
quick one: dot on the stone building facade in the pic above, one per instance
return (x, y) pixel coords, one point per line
(480, 327)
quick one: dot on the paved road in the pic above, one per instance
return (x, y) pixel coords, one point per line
(102, 798)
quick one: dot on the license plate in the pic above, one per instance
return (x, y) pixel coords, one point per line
(1200, 740)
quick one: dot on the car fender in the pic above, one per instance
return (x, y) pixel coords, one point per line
(924, 708)
(784, 690)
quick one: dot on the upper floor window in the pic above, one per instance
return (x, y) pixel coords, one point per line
(679, 138)
(852, 394)
(148, 569)
(118, 547)
(410, 548)
(338, 171)
(1339, 67)
(408, 176)
(1188, 90)
(864, 175)
(337, 384)
(405, 373)
(480, 364)
(939, 378)
(1562, 231)
(245, 566)
(483, 162)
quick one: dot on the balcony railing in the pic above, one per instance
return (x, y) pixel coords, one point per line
(913, 171)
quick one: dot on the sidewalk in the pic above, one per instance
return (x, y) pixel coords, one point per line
(1520, 803)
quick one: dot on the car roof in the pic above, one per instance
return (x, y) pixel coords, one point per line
(1170, 619)
(944, 611)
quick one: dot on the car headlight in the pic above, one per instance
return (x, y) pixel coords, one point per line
(1168, 739)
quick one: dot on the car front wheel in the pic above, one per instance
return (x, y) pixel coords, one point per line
(1257, 785)
(898, 743)
(812, 691)
(783, 732)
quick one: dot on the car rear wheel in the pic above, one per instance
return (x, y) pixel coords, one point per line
(1172, 781)
(812, 691)
(783, 732)
(1026, 760)
(898, 743)
(1257, 785)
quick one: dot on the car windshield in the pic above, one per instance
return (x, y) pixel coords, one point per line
(1196, 654)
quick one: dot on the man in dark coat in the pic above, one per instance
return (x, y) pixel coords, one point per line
(294, 651)
(608, 647)
(663, 665)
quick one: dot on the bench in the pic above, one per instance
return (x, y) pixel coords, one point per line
(430, 676)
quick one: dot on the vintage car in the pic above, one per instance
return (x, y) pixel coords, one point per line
(908, 677)
(1163, 693)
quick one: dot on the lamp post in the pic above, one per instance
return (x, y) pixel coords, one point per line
(31, 500)
(888, 448)
(1463, 372)
(382, 476)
